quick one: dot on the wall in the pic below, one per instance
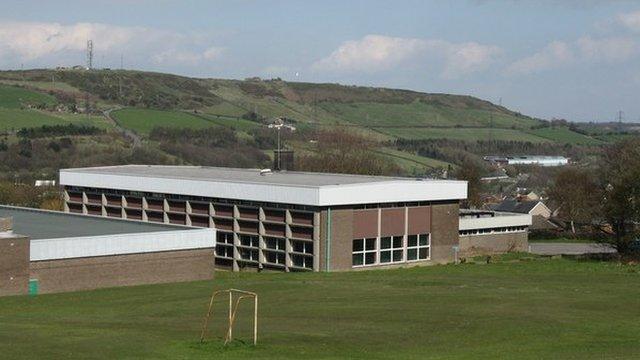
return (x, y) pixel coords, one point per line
(122, 270)
(14, 265)
(474, 245)
(444, 231)
(440, 220)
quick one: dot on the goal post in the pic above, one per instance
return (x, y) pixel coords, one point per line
(238, 296)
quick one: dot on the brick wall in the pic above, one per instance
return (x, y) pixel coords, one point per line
(475, 245)
(14, 265)
(444, 231)
(123, 270)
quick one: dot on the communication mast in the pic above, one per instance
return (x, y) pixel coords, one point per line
(89, 54)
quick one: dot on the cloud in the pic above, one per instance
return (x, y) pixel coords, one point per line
(630, 20)
(375, 53)
(555, 54)
(371, 53)
(608, 49)
(41, 41)
(584, 50)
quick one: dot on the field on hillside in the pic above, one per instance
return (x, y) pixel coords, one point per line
(564, 135)
(553, 309)
(13, 97)
(15, 119)
(143, 121)
(467, 134)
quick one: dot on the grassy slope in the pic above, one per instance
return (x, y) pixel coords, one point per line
(468, 134)
(143, 121)
(564, 135)
(16, 119)
(12, 97)
(526, 310)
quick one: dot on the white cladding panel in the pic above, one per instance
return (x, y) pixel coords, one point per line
(375, 192)
(120, 244)
(467, 223)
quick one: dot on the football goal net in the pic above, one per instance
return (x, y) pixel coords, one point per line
(235, 297)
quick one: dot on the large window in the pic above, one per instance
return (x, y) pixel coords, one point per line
(249, 240)
(364, 251)
(275, 243)
(391, 249)
(418, 247)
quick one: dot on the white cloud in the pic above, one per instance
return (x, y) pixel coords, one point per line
(375, 53)
(555, 54)
(33, 40)
(371, 53)
(630, 20)
(468, 57)
(607, 49)
(29, 41)
(187, 57)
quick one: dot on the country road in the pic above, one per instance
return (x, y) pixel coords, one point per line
(135, 139)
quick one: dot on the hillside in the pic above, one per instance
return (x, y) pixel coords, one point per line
(133, 103)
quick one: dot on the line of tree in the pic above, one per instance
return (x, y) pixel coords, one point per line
(606, 197)
(59, 130)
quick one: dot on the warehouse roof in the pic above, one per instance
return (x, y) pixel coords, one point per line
(42, 224)
(289, 187)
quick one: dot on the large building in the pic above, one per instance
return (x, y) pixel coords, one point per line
(292, 221)
(45, 251)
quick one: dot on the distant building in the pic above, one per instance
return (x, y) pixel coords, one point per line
(528, 160)
(537, 209)
(492, 232)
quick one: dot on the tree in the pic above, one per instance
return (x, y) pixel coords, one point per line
(470, 172)
(578, 194)
(620, 171)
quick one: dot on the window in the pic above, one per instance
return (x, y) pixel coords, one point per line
(305, 247)
(274, 257)
(224, 237)
(225, 251)
(302, 261)
(364, 252)
(275, 243)
(391, 249)
(248, 254)
(418, 247)
(249, 240)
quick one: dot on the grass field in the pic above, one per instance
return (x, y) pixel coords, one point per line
(564, 135)
(143, 121)
(15, 119)
(467, 134)
(13, 97)
(553, 309)
(412, 163)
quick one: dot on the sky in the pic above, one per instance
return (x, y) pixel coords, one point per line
(572, 59)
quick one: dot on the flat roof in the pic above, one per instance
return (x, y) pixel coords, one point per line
(43, 224)
(293, 187)
(237, 175)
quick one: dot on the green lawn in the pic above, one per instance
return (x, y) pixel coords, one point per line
(143, 121)
(234, 123)
(13, 97)
(412, 163)
(550, 309)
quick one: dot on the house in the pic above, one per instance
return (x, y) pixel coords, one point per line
(539, 212)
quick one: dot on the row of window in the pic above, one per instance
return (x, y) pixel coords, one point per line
(273, 243)
(494, 230)
(391, 249)
(273, 257)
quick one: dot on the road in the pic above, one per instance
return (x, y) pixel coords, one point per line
(135, 139)
(569, 248)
